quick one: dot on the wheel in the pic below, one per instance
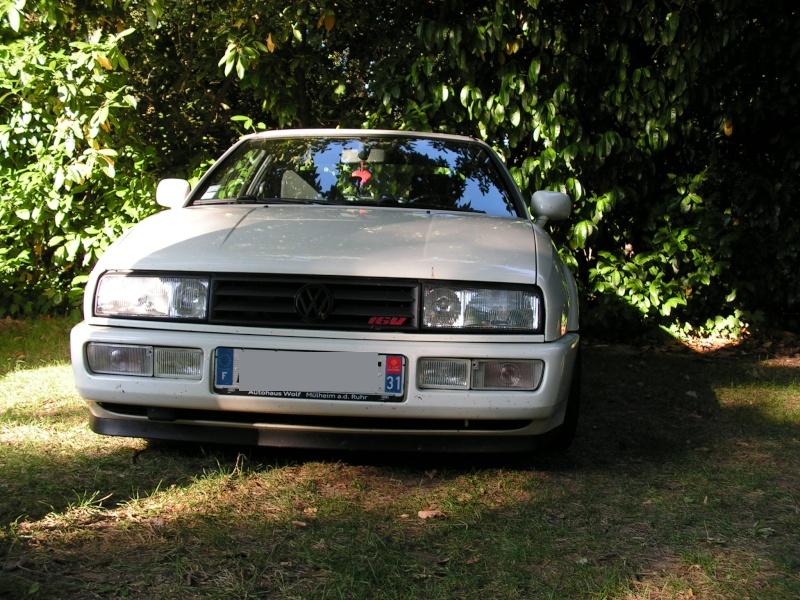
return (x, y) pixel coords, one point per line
(560, 438)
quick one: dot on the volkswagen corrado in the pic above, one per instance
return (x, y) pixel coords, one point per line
(338, 289)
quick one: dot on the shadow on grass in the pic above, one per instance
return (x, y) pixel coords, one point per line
(36, 479)
(660, 406)
(637, 408)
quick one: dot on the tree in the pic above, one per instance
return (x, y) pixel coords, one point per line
(668, 122)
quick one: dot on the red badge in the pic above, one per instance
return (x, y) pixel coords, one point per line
(394, 365)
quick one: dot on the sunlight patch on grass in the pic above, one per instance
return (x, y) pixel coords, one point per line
(775, 403)
(711, 573)
(34, 343)
(42, 396)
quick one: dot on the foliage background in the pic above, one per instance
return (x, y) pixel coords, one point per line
(673, 125)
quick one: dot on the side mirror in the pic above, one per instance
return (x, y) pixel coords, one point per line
(548, 206)
(172, 192)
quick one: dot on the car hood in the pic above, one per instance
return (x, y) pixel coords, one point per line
(330, 240)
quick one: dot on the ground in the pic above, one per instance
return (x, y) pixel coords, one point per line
(684, 482)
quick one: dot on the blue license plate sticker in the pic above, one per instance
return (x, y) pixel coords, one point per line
(224, 366)
(393, 374)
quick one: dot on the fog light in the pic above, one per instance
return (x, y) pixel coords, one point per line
(506, 374)
(120, 359)
(443, 373)
(180, 363)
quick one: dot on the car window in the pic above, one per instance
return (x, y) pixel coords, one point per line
(380, 171)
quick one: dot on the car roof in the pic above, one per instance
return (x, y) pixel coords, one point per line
(334, 133)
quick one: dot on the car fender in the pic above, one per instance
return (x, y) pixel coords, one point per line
(558, 287)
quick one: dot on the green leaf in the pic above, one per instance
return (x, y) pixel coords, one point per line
(101, 116)
(673, 20)
(581, 232)
(534, 69)
(575, 187)
(58, 180)
(528, 165)
(12, 14)
(229, 66)
(464, 96)
(71, 248)
(498, 112)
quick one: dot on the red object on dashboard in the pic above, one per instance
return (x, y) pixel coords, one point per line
(363, 175)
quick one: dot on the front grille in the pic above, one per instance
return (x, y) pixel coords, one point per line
(352, 304)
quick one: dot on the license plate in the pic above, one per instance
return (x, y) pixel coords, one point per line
(358, 376)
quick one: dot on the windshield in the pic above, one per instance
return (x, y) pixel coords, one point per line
(378, 171)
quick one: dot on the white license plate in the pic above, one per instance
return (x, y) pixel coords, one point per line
(360, 376)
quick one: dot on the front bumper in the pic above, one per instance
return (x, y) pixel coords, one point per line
(425, 420)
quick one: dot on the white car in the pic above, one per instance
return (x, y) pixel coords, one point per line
(337, 289)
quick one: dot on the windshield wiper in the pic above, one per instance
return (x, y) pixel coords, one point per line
(246, 199)
(252, 199)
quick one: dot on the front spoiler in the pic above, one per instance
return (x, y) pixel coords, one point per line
(160, 430)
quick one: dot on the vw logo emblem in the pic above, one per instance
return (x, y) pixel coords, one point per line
(313, 302)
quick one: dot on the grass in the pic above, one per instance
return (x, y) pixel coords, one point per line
(684, 483)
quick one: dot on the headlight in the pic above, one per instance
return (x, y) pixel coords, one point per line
(456, 307)
(132, 295)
